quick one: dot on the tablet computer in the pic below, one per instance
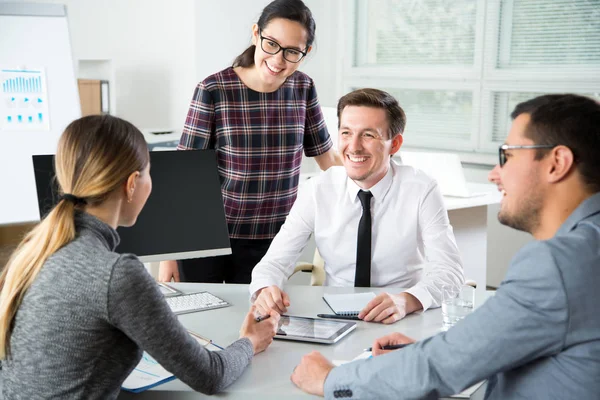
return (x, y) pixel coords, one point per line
(312, 329)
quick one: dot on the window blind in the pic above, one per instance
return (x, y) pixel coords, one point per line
(548, 33)
(505, 103)
(435, 114)
(409, 32)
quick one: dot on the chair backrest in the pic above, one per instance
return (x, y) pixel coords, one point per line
(317, 269)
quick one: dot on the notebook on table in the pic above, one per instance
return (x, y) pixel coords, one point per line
(348, 304)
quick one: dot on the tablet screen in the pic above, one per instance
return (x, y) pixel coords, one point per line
(312, 329)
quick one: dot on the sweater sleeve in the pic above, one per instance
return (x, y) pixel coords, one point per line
(138, 308)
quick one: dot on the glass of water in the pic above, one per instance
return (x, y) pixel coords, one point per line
(457, 303)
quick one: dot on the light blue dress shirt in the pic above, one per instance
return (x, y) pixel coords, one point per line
(537, 338)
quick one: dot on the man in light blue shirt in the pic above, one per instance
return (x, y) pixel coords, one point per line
(539, 336)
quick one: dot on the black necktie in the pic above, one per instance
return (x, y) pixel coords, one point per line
(363, 248)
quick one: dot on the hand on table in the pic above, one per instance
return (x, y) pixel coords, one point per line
(168, 270)
(272, 298)
(388, 308)
(311, 373)
(391, 339)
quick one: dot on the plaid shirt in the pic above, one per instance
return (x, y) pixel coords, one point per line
(259, 139)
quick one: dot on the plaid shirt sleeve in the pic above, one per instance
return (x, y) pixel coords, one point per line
(316, 136)
(199, 127)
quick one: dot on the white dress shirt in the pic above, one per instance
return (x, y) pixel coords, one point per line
(412, 245)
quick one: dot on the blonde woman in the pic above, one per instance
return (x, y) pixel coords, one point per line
(74, 315)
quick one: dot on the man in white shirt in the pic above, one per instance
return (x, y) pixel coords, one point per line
(411, 245)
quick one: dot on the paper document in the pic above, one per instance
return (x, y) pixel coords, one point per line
(149, 373)
(361, 356)
(348, 304)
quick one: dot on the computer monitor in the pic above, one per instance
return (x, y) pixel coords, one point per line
(183, 217)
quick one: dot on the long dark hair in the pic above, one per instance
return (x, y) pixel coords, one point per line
(294, 10)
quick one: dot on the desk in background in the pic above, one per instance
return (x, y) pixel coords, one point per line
(468, 217)
(268, 376)
(166, 139)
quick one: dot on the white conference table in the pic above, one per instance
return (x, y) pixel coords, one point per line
(268, 376)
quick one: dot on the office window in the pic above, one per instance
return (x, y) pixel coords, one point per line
(438, 114)
(459, 67)
(549, 34)
(439, 33)
(505, 103)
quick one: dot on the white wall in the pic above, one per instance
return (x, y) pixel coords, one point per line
(223, 31)
(218, 47)
(151, 46)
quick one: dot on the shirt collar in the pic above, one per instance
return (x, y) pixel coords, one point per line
(379, 191)
(588, 207)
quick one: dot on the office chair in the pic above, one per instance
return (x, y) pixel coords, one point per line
(316, 268)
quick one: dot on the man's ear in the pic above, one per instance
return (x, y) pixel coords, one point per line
(562, 162)
(396, 144)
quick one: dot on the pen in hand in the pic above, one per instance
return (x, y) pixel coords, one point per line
(391, 347)
(262, 317)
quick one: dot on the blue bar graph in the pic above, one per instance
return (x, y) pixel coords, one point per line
(22, 85)
(23, 100)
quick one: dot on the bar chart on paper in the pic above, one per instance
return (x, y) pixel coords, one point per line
(24, 102)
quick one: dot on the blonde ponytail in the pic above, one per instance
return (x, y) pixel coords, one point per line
(95, 156)
(52, 233)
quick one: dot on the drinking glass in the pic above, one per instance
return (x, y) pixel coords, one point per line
(457, 303)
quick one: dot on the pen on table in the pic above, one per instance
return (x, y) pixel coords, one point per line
(391, 347)
(262, 317)
(198, 336)
(335, 316)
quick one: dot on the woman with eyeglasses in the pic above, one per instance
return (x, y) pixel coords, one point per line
(260, 115)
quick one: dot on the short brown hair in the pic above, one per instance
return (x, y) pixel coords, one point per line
(377, 99)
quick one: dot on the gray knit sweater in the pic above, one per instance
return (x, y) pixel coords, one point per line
(83, 324)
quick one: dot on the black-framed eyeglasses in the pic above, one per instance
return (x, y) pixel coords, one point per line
(270, 46)
(502, 150)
